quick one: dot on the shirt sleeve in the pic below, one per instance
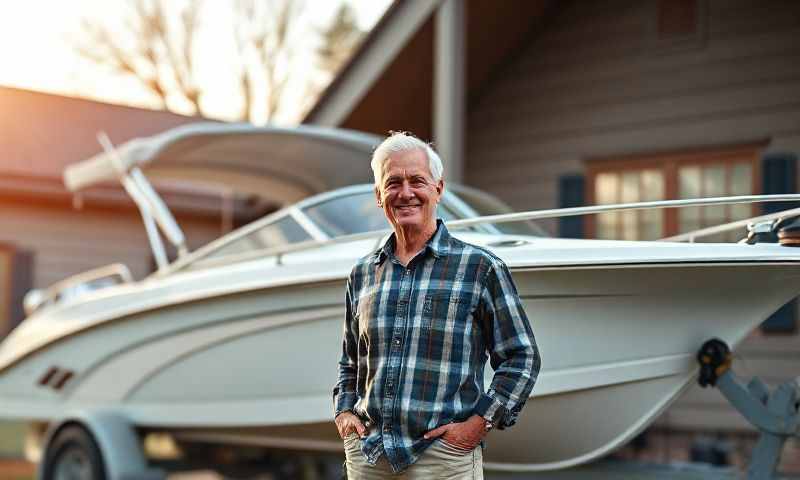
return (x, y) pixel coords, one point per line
(513, 353)
(344, 392)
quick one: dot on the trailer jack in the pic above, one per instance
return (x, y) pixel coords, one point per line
(774, 414)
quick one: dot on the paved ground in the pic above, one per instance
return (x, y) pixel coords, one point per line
(20, 470)
(16, 470)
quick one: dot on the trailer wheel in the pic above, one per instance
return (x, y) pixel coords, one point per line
(73, 455)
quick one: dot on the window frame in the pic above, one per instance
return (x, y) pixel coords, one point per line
(18, 282)
(669, 163)
(290, 213)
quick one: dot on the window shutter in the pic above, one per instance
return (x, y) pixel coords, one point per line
(779, 174)
(784, 320)
(571, 190)
(21, 283)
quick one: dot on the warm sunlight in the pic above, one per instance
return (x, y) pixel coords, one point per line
(38, 38)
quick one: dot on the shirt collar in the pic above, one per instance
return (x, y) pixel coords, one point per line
(437, 245)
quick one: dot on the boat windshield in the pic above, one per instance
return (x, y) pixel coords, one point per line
(353, 213)
(356, 213)
(484, 204)
(282, 231)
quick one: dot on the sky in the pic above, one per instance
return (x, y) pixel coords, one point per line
(37, 52)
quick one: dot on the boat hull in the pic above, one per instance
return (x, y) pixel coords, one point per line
(617, 345)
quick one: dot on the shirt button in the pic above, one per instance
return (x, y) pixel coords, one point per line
(396, 341)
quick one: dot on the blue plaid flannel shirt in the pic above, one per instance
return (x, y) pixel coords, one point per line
(416, 340)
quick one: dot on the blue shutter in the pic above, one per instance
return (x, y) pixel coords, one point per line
(784, 320)
(571, 194)
(21, 283)
(779, 175)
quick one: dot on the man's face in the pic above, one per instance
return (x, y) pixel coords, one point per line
(407, 193)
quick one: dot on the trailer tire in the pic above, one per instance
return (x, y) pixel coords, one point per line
(73, 453)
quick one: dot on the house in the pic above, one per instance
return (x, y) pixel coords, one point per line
(46, 234)
(548, 104)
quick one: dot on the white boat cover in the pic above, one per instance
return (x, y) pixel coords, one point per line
(279, 164)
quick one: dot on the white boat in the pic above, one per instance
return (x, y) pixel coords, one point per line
(238, 341)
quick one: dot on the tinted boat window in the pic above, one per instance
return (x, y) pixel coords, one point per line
(484, 204)
(281, 232)
(347, 215)
(355, 213)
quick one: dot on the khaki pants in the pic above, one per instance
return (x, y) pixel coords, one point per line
(440, 461)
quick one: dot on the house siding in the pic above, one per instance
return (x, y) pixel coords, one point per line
(65, 241)
(42, 134)
(596, 82)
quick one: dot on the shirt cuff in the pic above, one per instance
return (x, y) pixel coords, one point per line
(343, 401)
(494, 411)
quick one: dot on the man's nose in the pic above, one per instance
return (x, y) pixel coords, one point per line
(406, 191)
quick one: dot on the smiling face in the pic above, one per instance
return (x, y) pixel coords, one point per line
(407, 192)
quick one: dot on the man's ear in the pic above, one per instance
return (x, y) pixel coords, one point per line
(378, 197)
(440, 186)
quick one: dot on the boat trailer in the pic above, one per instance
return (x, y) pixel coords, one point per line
(774, 414)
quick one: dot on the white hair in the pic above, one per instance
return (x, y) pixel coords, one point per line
(398, 142)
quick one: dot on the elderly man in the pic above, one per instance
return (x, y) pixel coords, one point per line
(423, 312)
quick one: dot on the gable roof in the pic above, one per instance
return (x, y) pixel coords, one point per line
(388, 83)
(40, 133)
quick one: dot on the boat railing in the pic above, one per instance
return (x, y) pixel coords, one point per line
(576, 211)
(116, 273)
(280, 251)
(726, 227)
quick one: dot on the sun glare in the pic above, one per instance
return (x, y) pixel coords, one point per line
(38, 37)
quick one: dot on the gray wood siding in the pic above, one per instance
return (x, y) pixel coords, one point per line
(596, 82)
(65, 241)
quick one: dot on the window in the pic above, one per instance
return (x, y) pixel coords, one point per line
(280, 232)
(357, 213)
(678, 25)
(628, 187)
(671, 176)
(347, 215)
(484, 204)
(715, 180)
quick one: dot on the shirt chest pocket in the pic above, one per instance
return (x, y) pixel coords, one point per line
(446, 310)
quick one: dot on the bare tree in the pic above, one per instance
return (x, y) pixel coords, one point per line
(339, 39)
(157, 53)
(156, 46)
(266, 53)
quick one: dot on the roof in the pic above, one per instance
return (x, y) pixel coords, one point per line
(388, 83)
(40, 133)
